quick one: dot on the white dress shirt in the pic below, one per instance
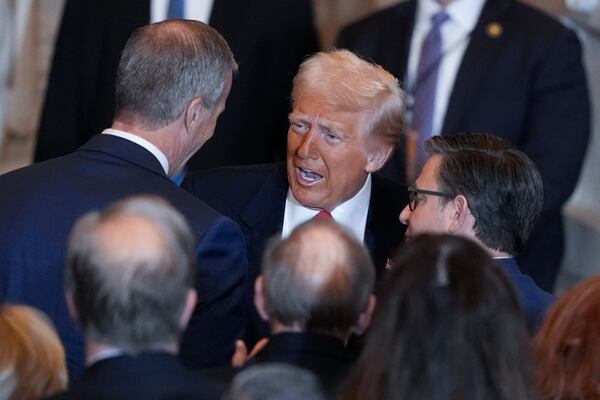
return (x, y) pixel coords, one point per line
(351, 214)
(160, 156)
(455, 38)
(194, 9)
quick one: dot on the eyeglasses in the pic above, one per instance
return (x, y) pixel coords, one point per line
(413, 196)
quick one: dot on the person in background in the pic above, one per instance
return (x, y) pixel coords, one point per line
(567, 349)
(32, 359)
(448, 325)
(496, 66)
(130, 285)
(315, 290)
(480, 187)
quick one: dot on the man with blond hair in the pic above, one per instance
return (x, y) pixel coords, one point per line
(347, 118)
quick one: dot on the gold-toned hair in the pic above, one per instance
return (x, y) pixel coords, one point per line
(345, 82)
(567, 348)
(32, 358)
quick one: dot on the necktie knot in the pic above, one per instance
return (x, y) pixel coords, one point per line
(324, 214)
(439, 18)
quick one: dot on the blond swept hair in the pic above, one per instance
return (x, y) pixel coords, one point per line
(32, 358)
(346, 82)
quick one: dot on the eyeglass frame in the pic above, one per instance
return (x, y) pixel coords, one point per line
(412, 196)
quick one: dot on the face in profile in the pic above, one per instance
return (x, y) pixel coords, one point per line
(430, 214)
(328, 157)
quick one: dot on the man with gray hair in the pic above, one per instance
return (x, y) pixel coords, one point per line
(172, 84)
(315, 290)
(130, 283)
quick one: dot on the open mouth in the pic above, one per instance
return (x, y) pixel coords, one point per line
(307, 177)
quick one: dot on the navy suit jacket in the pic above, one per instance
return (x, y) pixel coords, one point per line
(324, 355)
(145, 376)
(254, 197)
(41, 202)
(268, 38)
(526, 85)
(534, 301)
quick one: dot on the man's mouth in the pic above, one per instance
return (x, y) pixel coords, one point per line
(307, 177)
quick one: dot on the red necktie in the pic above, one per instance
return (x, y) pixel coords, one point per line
(324, 214)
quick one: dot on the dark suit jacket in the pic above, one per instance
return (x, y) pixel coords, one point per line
(148, 376)
(527, 86)
(324, 355)
(268, 38)
(254, 197)
(534, 300)
(40, 205)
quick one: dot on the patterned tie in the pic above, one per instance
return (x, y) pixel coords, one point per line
(176, 9)
(424, 94)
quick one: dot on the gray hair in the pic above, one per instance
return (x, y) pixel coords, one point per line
(167, 64)
(275, 381)
(130, 267)
(348, 83)
(320, 277)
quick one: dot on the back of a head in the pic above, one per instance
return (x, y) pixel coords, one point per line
(130, 268)
(567, 346)
(274, 381)
(448, 326)
(502, 185)
(319, 278)
(167, 64)
(32, 358)
(343, 81)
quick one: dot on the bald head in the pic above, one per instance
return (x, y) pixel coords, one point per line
(318, 279)
(130, 268)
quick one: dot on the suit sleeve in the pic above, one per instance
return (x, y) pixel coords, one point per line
(222, 284)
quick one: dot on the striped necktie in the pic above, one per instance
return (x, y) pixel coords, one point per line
(424, 93)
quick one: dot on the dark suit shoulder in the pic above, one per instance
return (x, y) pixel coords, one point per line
(229, 189)
(382, 25)
(535, 20)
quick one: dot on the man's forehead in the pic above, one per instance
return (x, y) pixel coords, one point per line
(428, 179)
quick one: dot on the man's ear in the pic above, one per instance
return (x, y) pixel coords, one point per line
(194, 114)
(377, 157)
(365, 317)
(190, 303)
(71, 306)
(259, 298)
(460, 215)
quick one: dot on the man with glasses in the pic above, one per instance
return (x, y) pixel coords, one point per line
(477, 186)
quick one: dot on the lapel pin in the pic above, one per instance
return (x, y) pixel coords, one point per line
(494, 30)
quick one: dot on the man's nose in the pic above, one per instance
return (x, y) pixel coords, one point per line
(405, 215)
(307, 146)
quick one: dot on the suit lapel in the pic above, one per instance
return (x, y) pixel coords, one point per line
(481, 53)
(395, 56)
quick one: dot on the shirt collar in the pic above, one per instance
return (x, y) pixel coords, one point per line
(464, 13)
(160, 156)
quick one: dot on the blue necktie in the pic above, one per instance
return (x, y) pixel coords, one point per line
(424, 91)
(176, 9)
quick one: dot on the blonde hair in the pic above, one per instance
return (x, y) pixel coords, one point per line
(344, 81)
(32, 358)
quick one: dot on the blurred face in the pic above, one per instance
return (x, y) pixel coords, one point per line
(327, 155)
(432, 213)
